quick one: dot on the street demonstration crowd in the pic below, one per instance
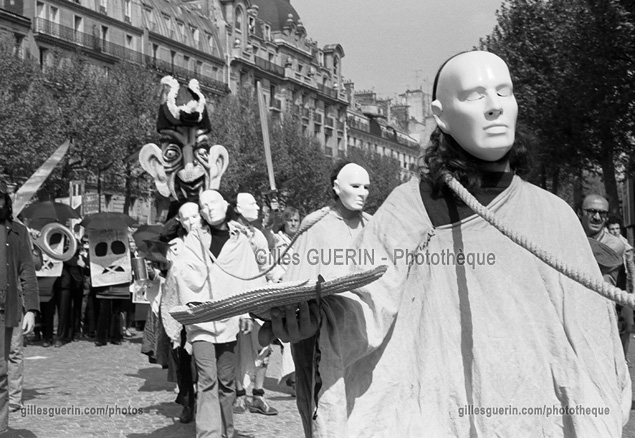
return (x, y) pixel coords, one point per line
(378, 349)
(71, 308)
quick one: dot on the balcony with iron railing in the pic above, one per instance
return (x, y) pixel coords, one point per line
(185, 74)
(269, 66)
(327, 90)
(356, 124)
(96, 44)
(88, 41)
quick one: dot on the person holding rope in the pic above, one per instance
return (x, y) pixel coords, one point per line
(213, 262)
(333, 233)
(467, 333)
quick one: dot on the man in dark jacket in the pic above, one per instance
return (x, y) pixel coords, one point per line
(16, 265)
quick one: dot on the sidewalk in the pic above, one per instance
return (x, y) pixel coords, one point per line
(113, 391)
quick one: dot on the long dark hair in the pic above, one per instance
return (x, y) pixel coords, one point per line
(445, 156)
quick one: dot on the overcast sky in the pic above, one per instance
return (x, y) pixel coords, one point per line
(393, 45)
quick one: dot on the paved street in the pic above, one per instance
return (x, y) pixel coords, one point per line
(118, 377)
(80, 375)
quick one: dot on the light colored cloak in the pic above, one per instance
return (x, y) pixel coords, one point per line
(410, 354)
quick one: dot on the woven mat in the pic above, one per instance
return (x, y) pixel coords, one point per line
(259, 301)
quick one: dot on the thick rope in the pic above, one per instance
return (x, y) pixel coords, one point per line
(598, 285)
(306, 224)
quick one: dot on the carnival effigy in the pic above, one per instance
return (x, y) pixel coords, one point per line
(185, 164)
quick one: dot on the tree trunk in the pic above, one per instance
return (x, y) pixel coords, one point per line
(128, 189)
(610, 182)
(578, 190)
(543, 177)
(555, 182)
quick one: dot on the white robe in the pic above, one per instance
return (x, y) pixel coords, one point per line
(407, 355)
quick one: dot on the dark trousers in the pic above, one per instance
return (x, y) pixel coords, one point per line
(62, 302)
(68, 293)
(47, 311)
(77, 297)
(5, 346)
(109, 321)
(184, 376)
(91, 313)
(216, 368)
(303, 353)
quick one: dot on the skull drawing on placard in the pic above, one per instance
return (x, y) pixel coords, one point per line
(109, 257)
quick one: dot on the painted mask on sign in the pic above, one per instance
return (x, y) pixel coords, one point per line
(109, 257)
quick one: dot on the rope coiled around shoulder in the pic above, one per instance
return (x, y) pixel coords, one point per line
(595, 284)
(306, 224)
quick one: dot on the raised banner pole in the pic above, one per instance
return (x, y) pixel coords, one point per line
(264, 124)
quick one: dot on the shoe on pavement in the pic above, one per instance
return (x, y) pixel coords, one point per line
(58, 343)
(291, 385)
(260, 406)
(46, 344)
(187, 415)
(240, 404)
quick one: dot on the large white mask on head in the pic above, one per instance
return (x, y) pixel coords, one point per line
(190, 217)
(351, 186)
(247, 206)
(475, 104)
(109, 257)
(213, 207)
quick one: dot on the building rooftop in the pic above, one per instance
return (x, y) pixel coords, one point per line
(275, 12)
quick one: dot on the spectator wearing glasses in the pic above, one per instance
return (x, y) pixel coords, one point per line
(610, 253)
(608, 249)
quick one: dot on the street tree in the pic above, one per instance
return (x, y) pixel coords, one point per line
(28, 118)
(299, 164)
(572, 65)
(384, 173)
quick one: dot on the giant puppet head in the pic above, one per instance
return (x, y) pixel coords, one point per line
(186, 163)
(474, 102)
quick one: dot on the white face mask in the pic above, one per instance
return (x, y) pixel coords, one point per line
(247, 206)
(190, 217)
(213, 207)
(476, 105)
(351, 186)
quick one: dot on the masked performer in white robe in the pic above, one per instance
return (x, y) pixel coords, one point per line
(468, 334)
